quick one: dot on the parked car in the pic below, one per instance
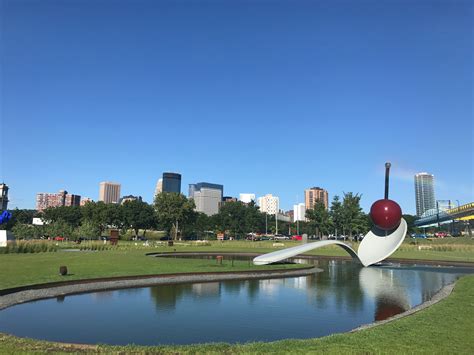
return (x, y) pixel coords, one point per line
(281, 237)
(297, 237)
(59, 239)
(419, 235)
(441, 234)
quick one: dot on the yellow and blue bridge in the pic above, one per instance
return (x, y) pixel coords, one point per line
(437, 217)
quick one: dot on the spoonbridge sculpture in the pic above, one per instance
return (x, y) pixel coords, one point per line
(378, 244)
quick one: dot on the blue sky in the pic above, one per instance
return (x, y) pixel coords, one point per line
(260, 96)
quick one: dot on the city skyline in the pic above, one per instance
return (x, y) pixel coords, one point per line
(372, 83)
(257, 196)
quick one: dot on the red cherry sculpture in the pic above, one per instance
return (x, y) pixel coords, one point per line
(386, 214)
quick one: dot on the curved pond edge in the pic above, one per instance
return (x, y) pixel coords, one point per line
(13, 296)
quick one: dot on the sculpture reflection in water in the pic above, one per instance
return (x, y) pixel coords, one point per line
(387, 291)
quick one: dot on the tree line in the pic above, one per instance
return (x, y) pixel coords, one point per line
(176, 215)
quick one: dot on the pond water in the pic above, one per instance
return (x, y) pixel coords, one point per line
(338, 299)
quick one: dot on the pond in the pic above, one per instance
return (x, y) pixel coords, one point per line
(336, 300)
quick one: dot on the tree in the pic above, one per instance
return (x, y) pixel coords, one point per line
(238, 218)
(96, 213)
(72, 215)
(59, 229)
(23, 231)
(253, 217)
(352, 213)
(138, 215)
(231, 218)
(319, 219)
(114, 216)
(202, 225)
(174, 211)
(19, 216)
(88, 230)
(336, 213)
(410, 219)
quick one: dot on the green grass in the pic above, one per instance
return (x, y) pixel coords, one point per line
(445, 328)
(462, 250)
(27, 269)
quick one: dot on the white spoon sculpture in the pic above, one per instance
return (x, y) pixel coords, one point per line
(381, 242)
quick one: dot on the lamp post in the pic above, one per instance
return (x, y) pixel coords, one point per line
(266, 223)
(276, 218)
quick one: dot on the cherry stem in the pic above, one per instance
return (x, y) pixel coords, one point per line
(387, 174)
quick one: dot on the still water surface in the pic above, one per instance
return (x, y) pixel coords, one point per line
(338, 299)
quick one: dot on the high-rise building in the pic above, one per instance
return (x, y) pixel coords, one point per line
(84, 200)
(246, 198)
(424, 193)
(206, 196)
(72, 200)
(62, 198)
(3, 197)
(314, 194)
(269, 204)
(171, 182)
(109, 192)
(158, 187)
(299, 213)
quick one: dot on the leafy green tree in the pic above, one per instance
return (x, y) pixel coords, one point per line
(319, 219)
(174, 211)
(253, 218)
(88, 230)
(336, 213)
(238, 219)
(352, 213)
(59, 229)
(138, 215)
(410, 219)
(114, 216)
(23, 231)
(203, 224)
(22, 216)
(72, 215)
(97, 214)
(231, 218)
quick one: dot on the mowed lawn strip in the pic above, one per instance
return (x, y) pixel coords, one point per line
(452, 249)
(28, 269)
(444, 328)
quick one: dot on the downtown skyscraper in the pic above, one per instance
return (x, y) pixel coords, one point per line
(109, 192)
(424, 193)
(315, 194)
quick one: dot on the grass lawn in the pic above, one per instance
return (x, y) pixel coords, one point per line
(128, 259)
(27, 269)
(456, 249)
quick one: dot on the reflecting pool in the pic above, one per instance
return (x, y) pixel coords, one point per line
(339, 299)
